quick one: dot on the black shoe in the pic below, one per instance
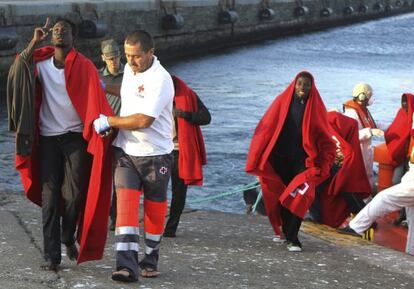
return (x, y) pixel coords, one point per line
(168, 234)
(348, 231)
(399, 220)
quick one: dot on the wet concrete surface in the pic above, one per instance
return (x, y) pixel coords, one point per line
(212, 250)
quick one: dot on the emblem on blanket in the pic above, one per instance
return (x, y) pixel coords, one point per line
(301, 190)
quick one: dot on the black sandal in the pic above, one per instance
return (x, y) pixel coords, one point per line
(149, 273)
(123, 275)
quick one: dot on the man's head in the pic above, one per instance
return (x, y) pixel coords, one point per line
(362, 93)
(303, 85)
(63, 33)
(139, 50)
(111, 55)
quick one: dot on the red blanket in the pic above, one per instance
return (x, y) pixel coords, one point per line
(89, 100)
(192, 155)
(320, 149)
(397, 136)
(351, 177)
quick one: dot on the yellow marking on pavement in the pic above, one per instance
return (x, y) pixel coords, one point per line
(329, 234)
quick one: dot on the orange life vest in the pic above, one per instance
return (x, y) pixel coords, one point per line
(363, 113)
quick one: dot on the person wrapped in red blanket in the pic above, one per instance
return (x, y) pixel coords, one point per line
(343, 192)
(398, 134)
(398, 138)
(292, 152)
(189, 154)
(54, 94)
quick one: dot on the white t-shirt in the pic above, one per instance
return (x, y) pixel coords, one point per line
(151, 93)
(57, 114)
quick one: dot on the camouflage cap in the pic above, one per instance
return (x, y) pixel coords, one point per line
(110, 48)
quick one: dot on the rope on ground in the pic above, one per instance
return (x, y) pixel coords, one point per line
(226, 194)
(259, 197)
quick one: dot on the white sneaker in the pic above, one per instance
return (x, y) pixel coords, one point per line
(293, 247)
(278, 239)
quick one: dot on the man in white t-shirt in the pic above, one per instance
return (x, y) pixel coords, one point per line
(60, 170)
(143, 156)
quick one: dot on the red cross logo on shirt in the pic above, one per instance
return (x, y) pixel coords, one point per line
(141, 88)
(163, 170)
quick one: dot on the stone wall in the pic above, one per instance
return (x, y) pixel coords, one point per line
(194, 26)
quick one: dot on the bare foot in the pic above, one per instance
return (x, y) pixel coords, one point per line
(49, 266)
(72, 252)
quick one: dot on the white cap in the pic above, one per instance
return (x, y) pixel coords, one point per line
(362, 88)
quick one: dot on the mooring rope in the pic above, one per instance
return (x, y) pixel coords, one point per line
(236, 190)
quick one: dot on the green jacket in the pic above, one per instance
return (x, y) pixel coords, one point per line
(21, 102)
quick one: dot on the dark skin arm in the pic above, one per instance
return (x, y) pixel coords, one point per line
(39, 34)
(200, 117)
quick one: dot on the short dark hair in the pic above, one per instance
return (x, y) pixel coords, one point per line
(142, 37)
(72, 25)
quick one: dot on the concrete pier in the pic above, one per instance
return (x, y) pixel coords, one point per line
(183, 27)
(212, 250)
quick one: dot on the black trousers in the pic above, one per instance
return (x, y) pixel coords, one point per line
(287, 169)
(179, 194)
(354, 202)
(64, 171)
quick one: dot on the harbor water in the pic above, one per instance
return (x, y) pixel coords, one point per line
(237, 85)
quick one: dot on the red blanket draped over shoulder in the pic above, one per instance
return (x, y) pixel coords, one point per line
(89, 100)
(351, 177)
(397, 136)
(317, 143)
(192, 150)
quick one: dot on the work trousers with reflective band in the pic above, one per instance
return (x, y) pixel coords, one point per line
(133, 176)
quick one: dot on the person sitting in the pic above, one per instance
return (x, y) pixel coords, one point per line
(397, 138)
(389, 200)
